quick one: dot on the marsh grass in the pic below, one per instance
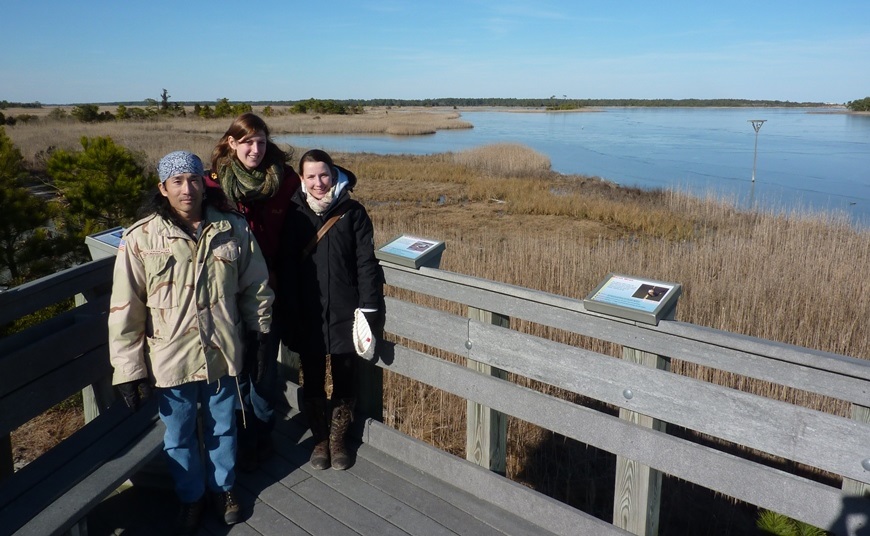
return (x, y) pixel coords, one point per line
(504, 159)
(788, 277)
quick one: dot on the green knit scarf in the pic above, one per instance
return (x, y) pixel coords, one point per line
(245, 185)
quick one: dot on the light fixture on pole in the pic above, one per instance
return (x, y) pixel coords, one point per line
(756, 124)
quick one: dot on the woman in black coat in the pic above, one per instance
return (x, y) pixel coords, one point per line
(331, 278)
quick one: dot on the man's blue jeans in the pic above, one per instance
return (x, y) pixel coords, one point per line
(178, 411)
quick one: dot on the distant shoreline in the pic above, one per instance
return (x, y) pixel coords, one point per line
(45, 109)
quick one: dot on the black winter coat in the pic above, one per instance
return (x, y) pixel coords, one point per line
(339, 275)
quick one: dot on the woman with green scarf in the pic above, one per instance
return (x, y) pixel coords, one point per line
(253, 172)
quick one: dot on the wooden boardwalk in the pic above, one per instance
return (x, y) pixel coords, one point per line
(403, 486)
(378, 496)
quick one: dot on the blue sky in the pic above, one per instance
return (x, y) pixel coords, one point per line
(62, 52)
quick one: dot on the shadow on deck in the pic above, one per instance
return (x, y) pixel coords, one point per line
(379, 495)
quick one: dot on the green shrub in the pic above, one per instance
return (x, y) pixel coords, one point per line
(25, 245)
(101, 186)
(861, 105)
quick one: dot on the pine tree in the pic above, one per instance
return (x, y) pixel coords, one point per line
(25, 243)
(101, 187)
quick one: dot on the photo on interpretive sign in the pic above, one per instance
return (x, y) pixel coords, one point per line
(650, 292)
(420, 245)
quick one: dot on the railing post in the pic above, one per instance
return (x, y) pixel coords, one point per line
(853, 487)
(96, 397)
(486, 429)
(638, 490)
(100, 395)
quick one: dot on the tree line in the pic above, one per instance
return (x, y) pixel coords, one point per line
(860, 105)
(149, 108)
(152, 109)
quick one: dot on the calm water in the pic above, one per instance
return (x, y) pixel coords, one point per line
(805, 160)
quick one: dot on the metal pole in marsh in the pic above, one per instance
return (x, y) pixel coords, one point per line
(756, 124)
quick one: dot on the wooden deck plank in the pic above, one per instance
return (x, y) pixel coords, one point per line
(282, 469)
(291, 505)
(260, 516)
(498, 518)
(405, 518)
(446, 517)
(546, 515)
(422, 500)
(346, 510)
(212, 526)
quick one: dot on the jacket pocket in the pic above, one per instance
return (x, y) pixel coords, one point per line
(162, 291)
(225, 279)
(227, 252)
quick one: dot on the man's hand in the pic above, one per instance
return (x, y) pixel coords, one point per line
(135, 393)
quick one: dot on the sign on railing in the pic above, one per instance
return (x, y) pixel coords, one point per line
(641, 300)
(412, 251)
(104, 243)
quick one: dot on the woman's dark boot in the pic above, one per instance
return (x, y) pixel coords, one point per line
(342, 416)
(315, 409)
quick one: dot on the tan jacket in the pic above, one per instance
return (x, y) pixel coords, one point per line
(179, 307)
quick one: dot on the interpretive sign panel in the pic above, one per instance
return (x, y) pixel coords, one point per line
(641, 300)
(412, 251)
(105, 243)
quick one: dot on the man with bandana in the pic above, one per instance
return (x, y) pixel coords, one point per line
(189, 280)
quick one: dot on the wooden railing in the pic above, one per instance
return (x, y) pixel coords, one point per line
(41, 366)
(649, 396)
(47, 363)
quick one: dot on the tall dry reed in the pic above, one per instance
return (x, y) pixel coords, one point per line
(504, 159)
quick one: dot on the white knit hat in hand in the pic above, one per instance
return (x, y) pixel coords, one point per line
(363, 340)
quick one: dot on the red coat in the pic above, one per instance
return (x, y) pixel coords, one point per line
(266, 218)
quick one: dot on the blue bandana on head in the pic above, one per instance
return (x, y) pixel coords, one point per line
(177, 163)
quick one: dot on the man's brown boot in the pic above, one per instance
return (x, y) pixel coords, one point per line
(227, 507)
(189, 518)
